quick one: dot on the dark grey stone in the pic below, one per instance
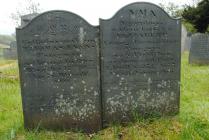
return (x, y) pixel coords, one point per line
(140, 53)
(25, 19)
(199, 52)
(59, 72)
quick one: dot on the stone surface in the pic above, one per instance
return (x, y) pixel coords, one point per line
(25, 19)
(59, 72)
(61, 56)
(199, 52)
(185, 39)
(140, 49)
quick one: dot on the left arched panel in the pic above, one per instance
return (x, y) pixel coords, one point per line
(59, 72)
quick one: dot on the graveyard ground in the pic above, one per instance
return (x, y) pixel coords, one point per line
(191, 124)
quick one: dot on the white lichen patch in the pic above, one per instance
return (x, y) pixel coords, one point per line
(71, 87)
(41, 109)
(82, 34)
(108, 90)
(125, 96)
(96, 93)
(79, 109)
(149, 82)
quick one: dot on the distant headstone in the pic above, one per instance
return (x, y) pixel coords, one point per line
(185, 39)
(59, 72)
(140, 50)
(13, 44)
(199, 52)
(11, 52)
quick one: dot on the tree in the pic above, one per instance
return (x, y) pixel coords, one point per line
(172, 9)
(30, 7)
(195, 2)
(198, 16)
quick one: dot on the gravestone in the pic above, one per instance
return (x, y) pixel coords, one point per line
(140, 53)
(199, 52)
(13, 44)
(25, 19)
(11, 52)
(77, 76)
(59, 72)
(185, 39)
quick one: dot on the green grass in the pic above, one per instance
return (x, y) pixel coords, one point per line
(6, 62)
(192, 123)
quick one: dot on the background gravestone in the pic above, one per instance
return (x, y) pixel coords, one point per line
(185, 39)
(140, 49)
(199, 52)
(11, 52)
(59, 72)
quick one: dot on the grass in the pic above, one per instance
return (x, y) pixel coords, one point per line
(192, 123)
(4, 62)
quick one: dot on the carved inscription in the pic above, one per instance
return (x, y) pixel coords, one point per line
(142, 12)
(58, 59)
(140, 63)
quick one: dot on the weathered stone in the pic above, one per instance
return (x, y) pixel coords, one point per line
(59, 72)
(140, 53)
(199, 52)
(59, 57)
(185, 39)
(25, 19)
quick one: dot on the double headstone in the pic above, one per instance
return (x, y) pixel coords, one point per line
(199, 52)
(77, 76)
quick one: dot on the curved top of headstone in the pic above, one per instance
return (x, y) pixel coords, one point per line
(199, 34)
(53, 12)
(141, 4)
